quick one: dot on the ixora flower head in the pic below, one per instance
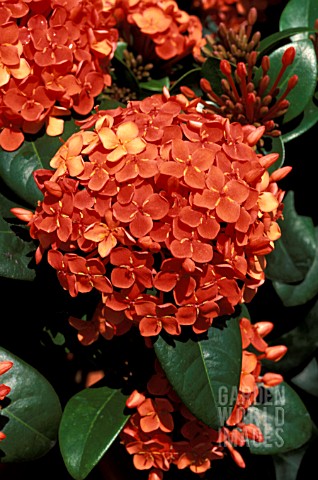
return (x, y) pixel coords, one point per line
(167, 211)
(160, 417)
(53, 57)
(5, 366)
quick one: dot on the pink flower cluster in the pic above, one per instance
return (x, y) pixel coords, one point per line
(166, 210)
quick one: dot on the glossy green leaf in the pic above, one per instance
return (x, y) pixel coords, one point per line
(307, 119)
(205, 372)
(16, 252)
(299, 13)
(90, 423)
(190, 79)
(295, 251)
(16, 168)
(120, 48)
(32, 414)
(269, 43)
(305, 61)
(283, 419)
(300, 293)
(155, 85)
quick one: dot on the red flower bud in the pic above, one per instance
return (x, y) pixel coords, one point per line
(288, 56)
(225, 68)
(272, 379)
(275, 353)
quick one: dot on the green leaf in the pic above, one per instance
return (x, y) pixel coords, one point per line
(120, 48)
(16, 253)
(287, 464)
(307, 119)
(299, 294)
(91, 421)
(211, 71)
(269, 43)
(299, 13)
(305, 61)
(124, 76)
(205, 372)
(307, 379)
(283, 419)
(190, 79)
(32, 415)
(155, 85)
(295, 251)
(17, 167)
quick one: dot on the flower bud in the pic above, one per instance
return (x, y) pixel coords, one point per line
(272, 379)
(22, 214)
(288, 56)
(264, 328)
(275, 353)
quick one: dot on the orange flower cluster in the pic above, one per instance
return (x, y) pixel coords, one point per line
(159, 30)
(150, 432)
(53, 57)
(5, 365)
(167, 211)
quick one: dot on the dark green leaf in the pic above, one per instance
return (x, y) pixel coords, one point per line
(299, 13)
(16, 168)
(205, 372)
(307, 379)
(16, 252)
(190, 79)
(287, 464)
(269, 43)
(307, 119)
(91, 421)
(107, 103)
(155, 85)
(32, 416)
(211, 71)
(299, 294)
(283, 419)
(295, 251)
(301, 343)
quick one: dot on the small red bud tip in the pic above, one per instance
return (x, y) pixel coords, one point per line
(5, 366)
(205, 85)
(2, 436)
(265, 63)
(225, 68)
(252, 16)
(272, 379)
(288, 56)
(22, 214)
(292, 82)
(275, 353)
(241, 70)
(188, 92)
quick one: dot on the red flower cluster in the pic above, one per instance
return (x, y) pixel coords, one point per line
(159, 30)
(167, 211)
(232, 12)
(150, 431)
(4, 389)
(53, 57)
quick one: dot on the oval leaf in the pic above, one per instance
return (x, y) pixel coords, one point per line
(305, 61)
(91, 421)
(205, 373)
(269, 43)
(283, 419)
(32, 415)
(299, 13)
(274, 145)
(17, 167)
(211, 71)
(295, 250)
(307, 119)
